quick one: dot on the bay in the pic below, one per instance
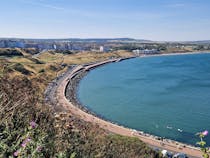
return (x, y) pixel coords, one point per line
(167, 96)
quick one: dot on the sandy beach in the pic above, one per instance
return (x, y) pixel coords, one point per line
(72, 107)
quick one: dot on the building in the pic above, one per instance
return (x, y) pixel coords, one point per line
(101, 49)
(54, 46)
(136, 51)
(152, 51)
(145, 51)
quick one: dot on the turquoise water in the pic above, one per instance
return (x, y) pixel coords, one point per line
(158, 95)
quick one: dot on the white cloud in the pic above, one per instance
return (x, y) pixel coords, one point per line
(175, 5)
(42, 4)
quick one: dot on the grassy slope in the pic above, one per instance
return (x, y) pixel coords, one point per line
(63, 135)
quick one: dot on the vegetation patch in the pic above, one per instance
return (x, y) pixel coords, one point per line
(19, 67)
(31, 51)
(36, 61)
(30, 128)
(10, 52)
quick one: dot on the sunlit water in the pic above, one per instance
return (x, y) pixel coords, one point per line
(167, 96)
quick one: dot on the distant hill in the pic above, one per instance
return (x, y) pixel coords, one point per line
(105, 40)
(198, 42)
(95, 40)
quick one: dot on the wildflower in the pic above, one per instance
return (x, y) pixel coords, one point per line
(25, 142)
(33, 124)
(39, 148)
(28, 140)
(23, 145)
(205, 133)
(16, 153)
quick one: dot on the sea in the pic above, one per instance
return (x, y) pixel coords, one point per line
(166, 96)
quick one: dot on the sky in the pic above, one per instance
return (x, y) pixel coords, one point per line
(160, 20)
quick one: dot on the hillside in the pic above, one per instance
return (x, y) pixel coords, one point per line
(30, 128)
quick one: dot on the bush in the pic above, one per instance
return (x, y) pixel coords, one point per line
(19, 67)
(41, 71)
(31, 51)
(202, 143)
(36, 61)
(10, 52)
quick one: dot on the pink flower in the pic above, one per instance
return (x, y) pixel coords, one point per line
(33, 124)
(23, 145)
(39, 148)
(205, 133)
(28, 140)
(16, 153)
(25, 142)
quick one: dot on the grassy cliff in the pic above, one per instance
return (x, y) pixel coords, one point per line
(30, 128)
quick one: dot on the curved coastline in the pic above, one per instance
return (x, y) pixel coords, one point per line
(67, 97)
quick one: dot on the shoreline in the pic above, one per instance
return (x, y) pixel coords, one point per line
(72, 88)
(68, 89)
(174, 54)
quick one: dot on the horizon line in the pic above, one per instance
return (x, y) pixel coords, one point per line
(101, 38)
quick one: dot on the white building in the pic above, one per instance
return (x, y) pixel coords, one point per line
(145, 51)
(54, 46)
(101, 49)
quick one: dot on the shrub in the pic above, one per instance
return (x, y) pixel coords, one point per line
(10, 52)
(41, 71)
(19, 67)
(36, 61)
(202, 143)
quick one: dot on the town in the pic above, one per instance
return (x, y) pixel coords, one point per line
(106, 45)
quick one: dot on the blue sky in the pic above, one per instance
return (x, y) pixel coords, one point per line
(143, 19)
